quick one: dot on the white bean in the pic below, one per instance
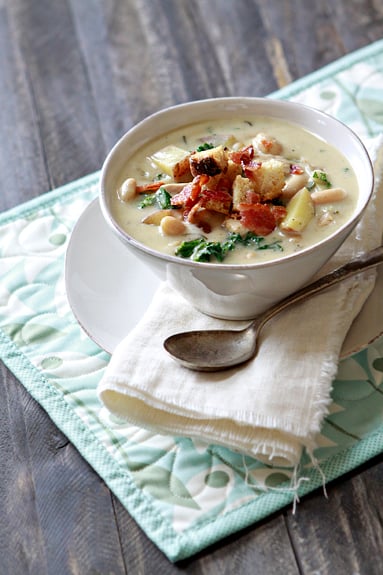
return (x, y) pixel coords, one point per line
(155, 218)
(171, 226)
(128, 190)
(293, 184)
(173, 188)
(328, 196)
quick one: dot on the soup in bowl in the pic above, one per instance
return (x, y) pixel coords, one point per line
(237, 202)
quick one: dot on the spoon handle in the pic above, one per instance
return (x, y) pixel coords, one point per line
(363, 262)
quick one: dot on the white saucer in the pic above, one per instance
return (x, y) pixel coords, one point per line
(109, 289)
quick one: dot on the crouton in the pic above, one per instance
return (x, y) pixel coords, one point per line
(210, 162)
(241, 187)
(181, 171)
(215, 200)
(269, 179)
(233, 170)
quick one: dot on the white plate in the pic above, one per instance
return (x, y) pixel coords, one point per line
(109, 289)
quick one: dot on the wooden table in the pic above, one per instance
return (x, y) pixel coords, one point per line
(74, 75)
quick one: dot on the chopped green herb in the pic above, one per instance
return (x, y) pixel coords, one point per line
(148, 200)
(186, 249)
(159, 177)
(201, 250)
(162, 198)
(205, 146)
(275, 246)
(322, 178)
(258, 242)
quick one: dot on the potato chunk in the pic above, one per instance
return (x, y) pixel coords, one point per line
(168, 158)
(300, 211)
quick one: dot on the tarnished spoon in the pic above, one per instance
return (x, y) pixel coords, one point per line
(215, 350)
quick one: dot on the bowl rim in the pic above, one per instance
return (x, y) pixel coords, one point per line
(129, 240)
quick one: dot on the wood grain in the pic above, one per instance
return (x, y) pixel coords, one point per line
(74, 75)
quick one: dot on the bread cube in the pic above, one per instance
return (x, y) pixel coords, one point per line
(210, 162)
(241, 186)
(269, 179)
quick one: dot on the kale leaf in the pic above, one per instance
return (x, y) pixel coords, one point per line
(202, 250)
(162, 198)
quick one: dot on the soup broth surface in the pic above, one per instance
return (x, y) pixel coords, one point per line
(266, 145)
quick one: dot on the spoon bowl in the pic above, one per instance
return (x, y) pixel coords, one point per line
(212, 350)
(215, 350)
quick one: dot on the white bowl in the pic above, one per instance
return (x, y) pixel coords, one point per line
(237, 291)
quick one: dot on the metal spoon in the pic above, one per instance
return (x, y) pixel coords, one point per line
(215, 350)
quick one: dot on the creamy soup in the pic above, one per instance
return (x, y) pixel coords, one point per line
(235, 192)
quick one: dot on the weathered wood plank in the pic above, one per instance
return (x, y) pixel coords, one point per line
(22, 165)
(347, 533)
(51, 498)
(67, 119)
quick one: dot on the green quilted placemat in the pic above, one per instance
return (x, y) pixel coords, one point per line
(184, 495)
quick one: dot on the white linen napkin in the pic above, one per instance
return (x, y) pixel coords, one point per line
(270, 408)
